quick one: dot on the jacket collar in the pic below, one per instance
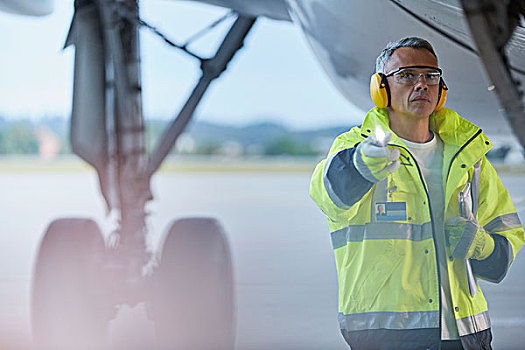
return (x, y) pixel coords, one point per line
(450, 126)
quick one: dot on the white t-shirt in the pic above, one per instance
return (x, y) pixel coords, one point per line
(429, 157)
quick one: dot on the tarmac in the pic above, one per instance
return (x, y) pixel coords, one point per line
(285, 278)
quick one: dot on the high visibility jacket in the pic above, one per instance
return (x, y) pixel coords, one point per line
(387, 262)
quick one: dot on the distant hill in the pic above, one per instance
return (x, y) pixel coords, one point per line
(25, 137)
(266, 138)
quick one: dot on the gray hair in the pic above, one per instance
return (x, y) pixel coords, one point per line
(413, 42)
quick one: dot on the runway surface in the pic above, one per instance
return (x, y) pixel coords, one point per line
(284, 271)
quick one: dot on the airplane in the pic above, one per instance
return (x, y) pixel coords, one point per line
(80, 278)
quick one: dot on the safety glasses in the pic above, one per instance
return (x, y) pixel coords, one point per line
(410, 75)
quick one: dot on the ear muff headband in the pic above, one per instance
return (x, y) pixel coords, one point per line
(380, 92)
(442, 95)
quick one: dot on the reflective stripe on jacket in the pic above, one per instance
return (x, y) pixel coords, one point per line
(387, 262)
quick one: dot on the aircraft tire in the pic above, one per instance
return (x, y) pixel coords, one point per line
(68, 306)
(193, 295)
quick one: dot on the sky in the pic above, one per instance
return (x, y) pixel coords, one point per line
(274, 78)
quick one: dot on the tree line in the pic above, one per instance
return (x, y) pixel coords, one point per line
(25, 136)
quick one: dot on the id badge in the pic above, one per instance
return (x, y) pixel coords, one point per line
(390, 211)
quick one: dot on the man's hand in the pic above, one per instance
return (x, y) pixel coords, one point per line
(374, 159)
(467, 239)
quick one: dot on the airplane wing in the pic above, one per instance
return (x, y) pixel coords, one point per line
(27, 7)
(274, 9)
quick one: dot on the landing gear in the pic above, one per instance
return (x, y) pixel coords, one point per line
(192, 299)
(69, 306)
(191, 294)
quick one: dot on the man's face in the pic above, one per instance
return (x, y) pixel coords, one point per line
(420, 99)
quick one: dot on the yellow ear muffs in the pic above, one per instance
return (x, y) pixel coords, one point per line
(442, 96)
(379, 90)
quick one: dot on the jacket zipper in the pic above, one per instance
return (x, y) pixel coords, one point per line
(432, 218)
(433, 234)
(471, 282)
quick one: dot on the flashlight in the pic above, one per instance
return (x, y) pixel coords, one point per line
(380, 136)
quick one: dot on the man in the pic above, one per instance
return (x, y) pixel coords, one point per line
(380, 209)
(408, 274)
